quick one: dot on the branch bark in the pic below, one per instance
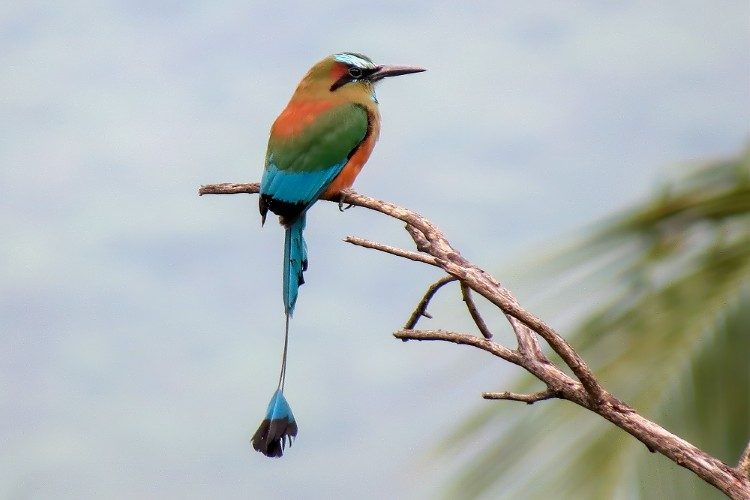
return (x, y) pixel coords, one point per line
(526, 398)
(583, 390)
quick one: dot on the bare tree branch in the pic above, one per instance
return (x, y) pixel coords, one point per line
(407, 254)
(434, 249)
(229, 188)
(421, 309)
(526, 398)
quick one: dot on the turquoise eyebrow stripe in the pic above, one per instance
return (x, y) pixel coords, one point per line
(353, 60)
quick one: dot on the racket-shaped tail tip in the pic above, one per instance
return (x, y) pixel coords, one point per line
(278, 428)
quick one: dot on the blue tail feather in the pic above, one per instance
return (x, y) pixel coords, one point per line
(279, 408)
(277, 429)
(295, 262)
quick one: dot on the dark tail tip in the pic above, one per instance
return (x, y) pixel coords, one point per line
(273, 435)
(278, 428)
(263, 207)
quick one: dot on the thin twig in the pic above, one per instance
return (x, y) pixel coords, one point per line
(399, 252)
(421, 309)
(463, 339)
(474, 312)
(526, 398)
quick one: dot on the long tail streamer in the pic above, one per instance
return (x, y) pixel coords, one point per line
(279, 427)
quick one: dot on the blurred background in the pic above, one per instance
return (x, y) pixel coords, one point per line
(142, 325)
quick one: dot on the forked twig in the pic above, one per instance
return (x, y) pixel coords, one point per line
(421, 309)
(528, 344)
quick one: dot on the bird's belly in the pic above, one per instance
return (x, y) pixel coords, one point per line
(346, 177)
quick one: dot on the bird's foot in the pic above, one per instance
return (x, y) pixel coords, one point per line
(342, 195)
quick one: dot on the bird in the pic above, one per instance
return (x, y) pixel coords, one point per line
(317, 147)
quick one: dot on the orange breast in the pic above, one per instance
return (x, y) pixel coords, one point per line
(346, 177)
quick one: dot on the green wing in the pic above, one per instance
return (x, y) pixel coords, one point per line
(299, 168)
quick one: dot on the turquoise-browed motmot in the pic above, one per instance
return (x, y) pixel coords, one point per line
(318, 145)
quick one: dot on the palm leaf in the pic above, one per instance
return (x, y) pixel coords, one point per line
(669, 335)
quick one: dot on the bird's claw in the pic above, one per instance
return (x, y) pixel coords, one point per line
(341, 201)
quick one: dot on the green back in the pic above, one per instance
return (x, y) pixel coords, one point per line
(323, 144)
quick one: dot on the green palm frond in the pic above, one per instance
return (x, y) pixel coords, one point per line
(670, 335)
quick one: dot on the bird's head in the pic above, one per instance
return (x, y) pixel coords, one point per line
(349, 74)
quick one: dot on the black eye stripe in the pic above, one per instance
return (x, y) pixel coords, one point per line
(353, 73)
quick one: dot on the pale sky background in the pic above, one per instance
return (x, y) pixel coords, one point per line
(142, 325)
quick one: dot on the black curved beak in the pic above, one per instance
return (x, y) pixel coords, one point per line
(386, 71)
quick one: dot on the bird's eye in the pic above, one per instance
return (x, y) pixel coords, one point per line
(355, 72)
